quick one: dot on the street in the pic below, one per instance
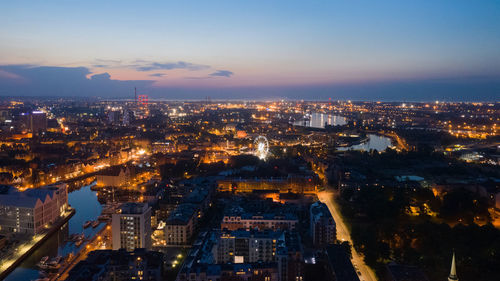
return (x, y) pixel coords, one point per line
(343, 234)
(100, 241)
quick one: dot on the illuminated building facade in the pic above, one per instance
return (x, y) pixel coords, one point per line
(35, 121)
(260, 222)
(292, 183)
(131, 227)
(241, 246)
(32, 210)
(180, 225)
(117, 176)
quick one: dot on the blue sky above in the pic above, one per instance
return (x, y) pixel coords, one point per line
(375, 50)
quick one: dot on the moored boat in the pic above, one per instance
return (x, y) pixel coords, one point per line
(43, 262)
(55, 263)
(87, 224)
(78, 242)
(103, 218)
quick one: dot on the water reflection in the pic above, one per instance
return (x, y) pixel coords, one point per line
(380, 143)
(87, 207)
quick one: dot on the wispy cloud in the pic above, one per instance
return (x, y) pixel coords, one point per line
(222, 73)
(149, 66)
(145, 65)
(198, 77)
(105, 63)
(157, 74)
(217, 73)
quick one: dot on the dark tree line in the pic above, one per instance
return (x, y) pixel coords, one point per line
(383, 232)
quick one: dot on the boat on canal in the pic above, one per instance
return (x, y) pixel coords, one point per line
(95, 224)
(78, 239)
(87, 224)
(87, 207)
(55, 263)
(46, 264)
(103, 218)
(43, 262)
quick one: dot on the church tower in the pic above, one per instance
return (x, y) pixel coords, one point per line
(453, 271)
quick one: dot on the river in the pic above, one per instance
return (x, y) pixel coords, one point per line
(380, 143)
(318, 120)
(85, 203)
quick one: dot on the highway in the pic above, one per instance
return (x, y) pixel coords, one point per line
(343, 234)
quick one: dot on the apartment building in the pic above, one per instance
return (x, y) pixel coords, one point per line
(33, 210)
(250, 221)
(131, 227)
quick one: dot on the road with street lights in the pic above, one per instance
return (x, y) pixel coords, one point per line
(365, 273)
(100, 241)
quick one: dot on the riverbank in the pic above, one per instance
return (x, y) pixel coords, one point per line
(375, 141)
(87, 208)
(95, 243)
(30, 246)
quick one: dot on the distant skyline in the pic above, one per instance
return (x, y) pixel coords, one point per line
(312, 50)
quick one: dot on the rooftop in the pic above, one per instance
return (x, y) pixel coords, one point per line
(182, 214)
(99, 263)
(11, 196)
(132, 208)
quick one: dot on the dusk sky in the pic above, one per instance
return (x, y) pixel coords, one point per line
(373, 50)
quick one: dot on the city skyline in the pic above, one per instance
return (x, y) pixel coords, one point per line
(149, 189)
(404, 51)
(249, 140)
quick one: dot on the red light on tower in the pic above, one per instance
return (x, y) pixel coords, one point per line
(143, 99)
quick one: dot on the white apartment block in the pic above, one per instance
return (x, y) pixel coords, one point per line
(131, 227)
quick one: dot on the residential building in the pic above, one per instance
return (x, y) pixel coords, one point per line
(322, 226)
(32, 210)
(131, 226)
(162, 147)
(116, 176)
(119, 265)
(241, 246)
(250, 221)
(292, 183)
(114, 116)
(231, 272)
(289, 256)
(244, 255)
(35, 121)
(180, 224)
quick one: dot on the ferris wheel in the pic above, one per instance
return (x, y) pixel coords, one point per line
(261, 146)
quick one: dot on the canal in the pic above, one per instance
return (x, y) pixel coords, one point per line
(87, 207)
